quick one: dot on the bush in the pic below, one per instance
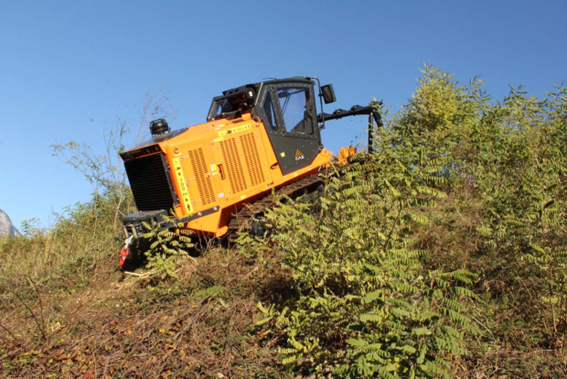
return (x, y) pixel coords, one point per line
(462, 200)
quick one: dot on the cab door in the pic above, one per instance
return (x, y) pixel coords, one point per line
(290, 117)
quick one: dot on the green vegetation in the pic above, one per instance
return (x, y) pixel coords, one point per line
(441, 255)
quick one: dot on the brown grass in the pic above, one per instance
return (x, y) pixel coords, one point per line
(95, 323)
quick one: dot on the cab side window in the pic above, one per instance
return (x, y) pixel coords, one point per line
(269, 110)
(294, 103)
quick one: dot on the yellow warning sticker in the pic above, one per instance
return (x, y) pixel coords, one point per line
(238, 129)
(282, 154)
(178, 172)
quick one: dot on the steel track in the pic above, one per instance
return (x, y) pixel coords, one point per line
(241, 222)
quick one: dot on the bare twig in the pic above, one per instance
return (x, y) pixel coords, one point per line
(39, 324)
(144, 275)
(39, 300)
(9, 332)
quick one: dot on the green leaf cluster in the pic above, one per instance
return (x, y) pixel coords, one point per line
(366, 306)
(167, 242)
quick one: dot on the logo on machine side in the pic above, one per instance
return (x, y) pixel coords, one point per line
(299, 155)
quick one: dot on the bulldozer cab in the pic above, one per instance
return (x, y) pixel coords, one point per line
(287, 110)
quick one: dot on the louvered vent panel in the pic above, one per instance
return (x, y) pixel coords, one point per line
(202, 176)
(150, 186)
(234, 170)
(252, 158)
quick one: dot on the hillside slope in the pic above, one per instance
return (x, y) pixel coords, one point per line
(440, 255)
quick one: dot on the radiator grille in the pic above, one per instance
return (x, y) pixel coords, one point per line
(234, 170)
(252, 158)
(149, 181)
(202, 176)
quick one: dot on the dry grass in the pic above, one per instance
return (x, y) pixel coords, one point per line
(92, 321)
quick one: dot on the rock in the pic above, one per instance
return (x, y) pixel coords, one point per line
(6, 226)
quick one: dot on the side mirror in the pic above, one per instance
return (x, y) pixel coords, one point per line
(328, 94)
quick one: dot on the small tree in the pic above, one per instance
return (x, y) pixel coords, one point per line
(105, 172)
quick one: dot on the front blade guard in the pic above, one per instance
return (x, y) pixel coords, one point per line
(133, 222)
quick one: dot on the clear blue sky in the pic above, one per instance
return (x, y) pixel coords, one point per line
(68, 69)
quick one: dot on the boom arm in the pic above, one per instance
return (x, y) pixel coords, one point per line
(374, 119)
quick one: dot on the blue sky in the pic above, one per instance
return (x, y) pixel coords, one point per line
(70, 69)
